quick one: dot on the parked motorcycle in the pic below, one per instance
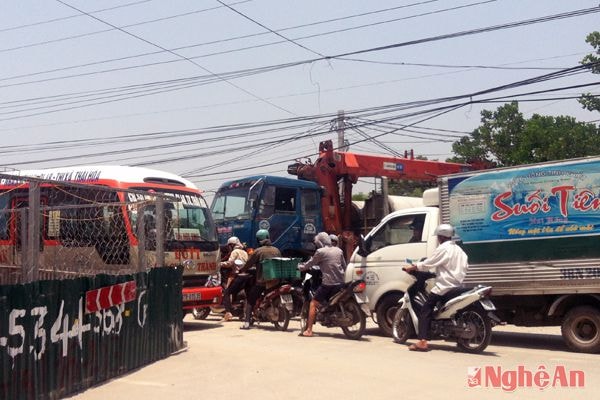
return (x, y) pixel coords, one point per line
(346, 309)
(466, 317)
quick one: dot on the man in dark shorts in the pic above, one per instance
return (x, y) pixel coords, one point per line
(333, 266)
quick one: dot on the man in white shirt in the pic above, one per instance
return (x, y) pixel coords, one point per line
(450, 263)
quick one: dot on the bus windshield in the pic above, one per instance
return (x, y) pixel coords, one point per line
(188, 219)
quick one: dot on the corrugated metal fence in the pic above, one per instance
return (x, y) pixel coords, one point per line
(61, 336)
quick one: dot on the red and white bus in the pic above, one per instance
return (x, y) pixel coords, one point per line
(91, 227)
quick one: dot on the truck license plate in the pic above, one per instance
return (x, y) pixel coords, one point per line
(191, 297)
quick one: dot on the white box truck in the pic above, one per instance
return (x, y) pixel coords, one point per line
(532, 232)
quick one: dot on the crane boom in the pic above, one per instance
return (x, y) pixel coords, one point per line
(336, 172)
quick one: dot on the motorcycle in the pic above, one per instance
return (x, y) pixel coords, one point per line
(275, 305)
(238, 302)
(346, 309)
(467, 316)
(201, 313)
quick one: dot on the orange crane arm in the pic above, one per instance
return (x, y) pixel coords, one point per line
(336, 172)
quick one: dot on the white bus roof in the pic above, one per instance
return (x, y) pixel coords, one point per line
(116, 173)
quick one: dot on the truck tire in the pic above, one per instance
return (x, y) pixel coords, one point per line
(386, 311)
(581, 329)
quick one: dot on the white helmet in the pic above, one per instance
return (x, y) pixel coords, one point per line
(322, 239)
(445, 230)
(233, 240)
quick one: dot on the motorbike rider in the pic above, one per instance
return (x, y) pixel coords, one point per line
(236, 252)
(335, 241)
(450, 264)
(332, 264)
(265, 251)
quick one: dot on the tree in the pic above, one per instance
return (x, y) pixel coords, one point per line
(506, 138)
(592, 61)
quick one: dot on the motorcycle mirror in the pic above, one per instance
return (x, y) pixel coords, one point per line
(364, 246)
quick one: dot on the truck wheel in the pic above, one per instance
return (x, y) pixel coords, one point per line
(581, 329)
(386, 311)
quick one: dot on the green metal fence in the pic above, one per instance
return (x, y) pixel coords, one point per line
(62, 336)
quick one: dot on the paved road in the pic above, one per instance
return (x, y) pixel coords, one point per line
(223, 362)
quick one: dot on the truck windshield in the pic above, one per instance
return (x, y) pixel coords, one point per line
(231, 203)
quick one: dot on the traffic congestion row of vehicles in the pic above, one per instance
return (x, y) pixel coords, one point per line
(531, 232)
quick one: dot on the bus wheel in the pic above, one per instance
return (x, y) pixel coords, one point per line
(581, 329)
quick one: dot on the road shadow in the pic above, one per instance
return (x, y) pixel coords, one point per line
(375, 332)
(212, 322)
(540, 341)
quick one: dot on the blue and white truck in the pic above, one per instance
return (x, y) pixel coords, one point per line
(532, 232)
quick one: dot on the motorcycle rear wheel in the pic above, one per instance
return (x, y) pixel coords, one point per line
(355, 331)
(283, 321)
(478, 320)
(402, 326)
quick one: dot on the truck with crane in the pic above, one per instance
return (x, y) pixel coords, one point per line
(294, 210)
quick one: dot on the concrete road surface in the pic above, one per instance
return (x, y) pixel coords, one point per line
(223, 362)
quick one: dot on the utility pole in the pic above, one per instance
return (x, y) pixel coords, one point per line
(341, 143)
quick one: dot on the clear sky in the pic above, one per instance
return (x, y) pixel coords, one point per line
(141, 82)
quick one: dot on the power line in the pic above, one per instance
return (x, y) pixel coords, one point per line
(180, 56)
(558, 16)
(269, 29)
(48, 21)
(205, 43)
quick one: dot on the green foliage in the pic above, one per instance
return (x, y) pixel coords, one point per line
(506, 138)
(359, 196)
(409, 188)
(588, 101)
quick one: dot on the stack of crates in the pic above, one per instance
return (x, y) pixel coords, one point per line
(281, 268)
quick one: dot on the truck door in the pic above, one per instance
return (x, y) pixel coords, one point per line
(392, 245)
(280, 215)
(310, 218)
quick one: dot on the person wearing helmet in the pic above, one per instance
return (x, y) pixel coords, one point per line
(450, 263)
(332, 264)
(265, 251)
(335, 242)
(232, 287)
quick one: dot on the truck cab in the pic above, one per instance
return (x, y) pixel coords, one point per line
(399, 239)
(289, 209)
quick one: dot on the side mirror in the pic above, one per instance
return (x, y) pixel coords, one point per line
(364, 246)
